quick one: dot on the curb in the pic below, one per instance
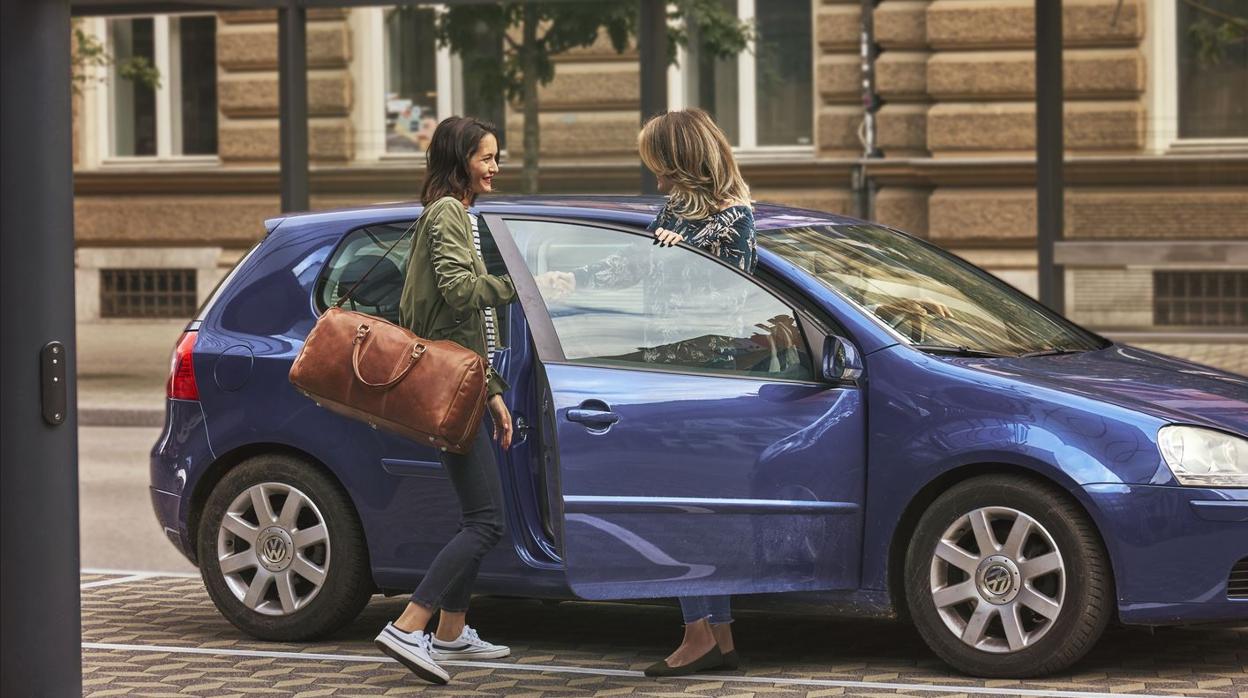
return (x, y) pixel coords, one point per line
(120, 417)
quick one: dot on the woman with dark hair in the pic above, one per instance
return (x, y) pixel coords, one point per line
(448, 294)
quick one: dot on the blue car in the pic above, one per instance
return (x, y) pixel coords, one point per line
(868, 426)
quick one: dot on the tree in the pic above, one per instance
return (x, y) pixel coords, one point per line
(89, 52)
(534, 32)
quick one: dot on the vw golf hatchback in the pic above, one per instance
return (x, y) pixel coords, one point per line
(868, 426)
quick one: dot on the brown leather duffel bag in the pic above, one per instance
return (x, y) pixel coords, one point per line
(369, 369)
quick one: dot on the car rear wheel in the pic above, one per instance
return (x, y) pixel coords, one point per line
(282, 552)
(1007, 577)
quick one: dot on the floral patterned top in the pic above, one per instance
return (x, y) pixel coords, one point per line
(727, 234)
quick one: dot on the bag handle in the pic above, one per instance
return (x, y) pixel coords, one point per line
(359, 281)
(418, 350)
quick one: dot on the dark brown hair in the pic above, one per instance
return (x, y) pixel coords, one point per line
(446, 161)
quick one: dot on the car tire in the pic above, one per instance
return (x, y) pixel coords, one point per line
(302, 575)
(1034, 605)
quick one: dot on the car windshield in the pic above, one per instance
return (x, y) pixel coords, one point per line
(933, 299)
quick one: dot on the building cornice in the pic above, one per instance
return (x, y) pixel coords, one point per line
(402, 178)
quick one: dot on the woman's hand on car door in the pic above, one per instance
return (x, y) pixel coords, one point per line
(502, 421)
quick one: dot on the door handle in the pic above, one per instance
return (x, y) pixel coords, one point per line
(593, 413)
(594, 417)
(520, 429)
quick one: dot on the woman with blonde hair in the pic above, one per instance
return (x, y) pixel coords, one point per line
(708, 206)
(708, 202)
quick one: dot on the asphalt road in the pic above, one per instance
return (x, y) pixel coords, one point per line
(117, 526)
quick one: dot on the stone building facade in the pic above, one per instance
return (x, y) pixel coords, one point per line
(1156, 209)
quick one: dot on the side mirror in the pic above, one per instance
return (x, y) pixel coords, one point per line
(841, 361)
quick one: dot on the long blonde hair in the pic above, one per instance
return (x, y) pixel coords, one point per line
(688, 148)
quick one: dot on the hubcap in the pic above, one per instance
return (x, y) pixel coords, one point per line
(273, 548)
(998, 580)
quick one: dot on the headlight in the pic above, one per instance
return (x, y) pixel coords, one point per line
(1204, 457)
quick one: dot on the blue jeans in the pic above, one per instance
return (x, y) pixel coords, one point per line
(474, 475)
(716, 609)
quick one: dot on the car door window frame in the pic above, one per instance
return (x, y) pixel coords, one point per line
(546, 337)
(814, 321)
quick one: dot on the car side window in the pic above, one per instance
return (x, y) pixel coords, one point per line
(380, 292)
(616, 298)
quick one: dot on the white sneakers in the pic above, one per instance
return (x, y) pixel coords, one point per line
(421, 652)
(412, 651)
(467, 646)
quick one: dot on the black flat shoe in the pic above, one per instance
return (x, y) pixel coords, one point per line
(711, 660)
(731, 660)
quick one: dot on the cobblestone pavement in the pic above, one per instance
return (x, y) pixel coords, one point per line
(161, 636)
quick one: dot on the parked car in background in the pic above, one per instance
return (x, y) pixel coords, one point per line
(870, 426)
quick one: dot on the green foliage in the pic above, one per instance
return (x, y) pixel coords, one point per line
(568, 25)
(139, 70)
(1213, 33)
(534, 32)
(89, 52)
(721, 34)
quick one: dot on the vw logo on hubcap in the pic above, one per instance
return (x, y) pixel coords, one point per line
(998, 579)
(274, 549)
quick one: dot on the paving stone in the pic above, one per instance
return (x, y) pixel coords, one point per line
(176, 612)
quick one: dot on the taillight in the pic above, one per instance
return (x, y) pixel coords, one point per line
(181, 385)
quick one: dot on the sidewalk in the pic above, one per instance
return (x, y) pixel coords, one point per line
(160, 635)
(122, 370)
(1227, 356)
(123, 367)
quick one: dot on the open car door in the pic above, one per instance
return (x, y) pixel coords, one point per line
(698, 450)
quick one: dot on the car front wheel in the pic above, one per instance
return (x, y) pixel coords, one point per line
(1007, 577)
(282, 552)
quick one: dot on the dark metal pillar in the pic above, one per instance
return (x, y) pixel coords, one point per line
(1050, 149)
(292, 51)
(40, 630)
(652, 46)
(861, 184)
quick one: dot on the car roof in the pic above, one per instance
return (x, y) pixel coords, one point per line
(637, 210)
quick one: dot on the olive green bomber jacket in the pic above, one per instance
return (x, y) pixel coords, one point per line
(446, 286)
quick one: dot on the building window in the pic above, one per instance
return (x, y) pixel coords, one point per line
(1213, 70)
(179, 117)
(147, 293)
(1199, 93)
(1200, 298)
(134, 105)
(408, 83)
(411, 79)
(763, 97)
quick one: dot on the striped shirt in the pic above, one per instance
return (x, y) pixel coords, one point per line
(491, 336)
